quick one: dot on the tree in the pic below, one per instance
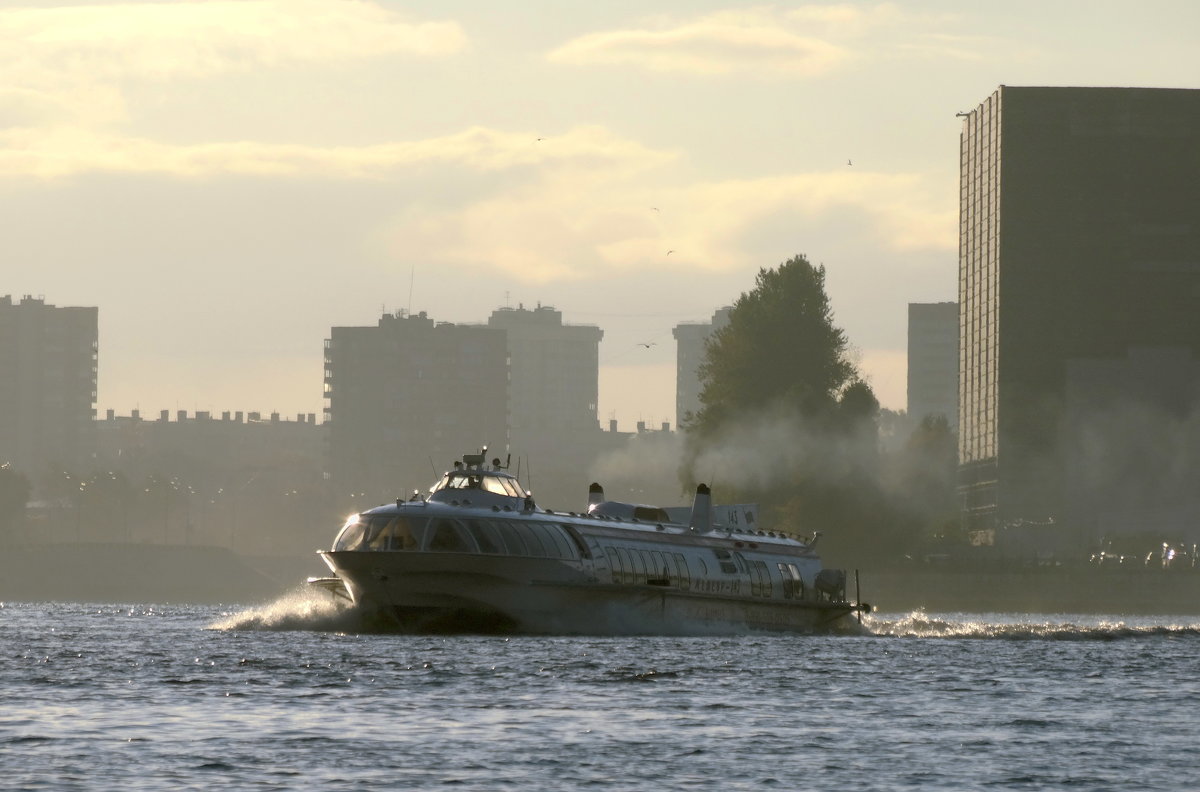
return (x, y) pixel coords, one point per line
(14, 494)
(923, 475)
(786, 420)
(780, 346)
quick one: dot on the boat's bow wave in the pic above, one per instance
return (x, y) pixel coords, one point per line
(303, 608)
(920, 624)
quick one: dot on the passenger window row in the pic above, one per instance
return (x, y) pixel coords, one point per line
(633, 566)
(443, 535)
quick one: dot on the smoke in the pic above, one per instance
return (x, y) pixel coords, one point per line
(1131, 467)
(757, 452)
(754, 453)
(772, 448)
(644, 470)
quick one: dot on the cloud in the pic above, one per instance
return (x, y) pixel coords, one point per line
(197, 39)
(846, 18)
(584, 223)
(806, 42)
(67, 151)
(580, 205)
(72, 59)
(723, 43)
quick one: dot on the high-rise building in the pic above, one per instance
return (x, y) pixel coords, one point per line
(408, 397)
(933, 362)
(1079, 272)
(48, 359)
(690, 350)
(554, 384)
(554, 370)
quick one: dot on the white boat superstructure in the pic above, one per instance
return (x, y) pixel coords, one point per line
(478, 555)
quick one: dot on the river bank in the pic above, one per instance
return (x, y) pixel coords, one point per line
(1137, 590)
(119, 572)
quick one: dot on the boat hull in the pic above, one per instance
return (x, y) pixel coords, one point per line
(435, 592)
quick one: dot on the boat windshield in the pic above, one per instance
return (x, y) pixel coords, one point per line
(497, 483)
(380, 532)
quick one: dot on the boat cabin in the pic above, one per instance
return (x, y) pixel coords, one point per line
(473, 484)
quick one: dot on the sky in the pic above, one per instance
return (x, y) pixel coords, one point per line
(228, 179)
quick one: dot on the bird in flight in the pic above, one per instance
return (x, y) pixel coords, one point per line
(655, 208)
(848, 162)
(647, 345)
(669, 252)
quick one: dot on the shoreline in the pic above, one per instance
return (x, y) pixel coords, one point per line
(1084, 589)
(193, 574)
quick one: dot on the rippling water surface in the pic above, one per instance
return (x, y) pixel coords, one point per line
(290, 696)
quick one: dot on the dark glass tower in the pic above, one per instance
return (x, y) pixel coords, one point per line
(1079, 284)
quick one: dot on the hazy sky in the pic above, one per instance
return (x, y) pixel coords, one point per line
(228, 179)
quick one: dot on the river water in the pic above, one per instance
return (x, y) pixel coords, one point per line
(290, 696)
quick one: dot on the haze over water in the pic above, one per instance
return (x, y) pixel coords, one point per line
(290, 696)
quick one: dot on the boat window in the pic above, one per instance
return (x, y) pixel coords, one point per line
(532, 540)
(486, 536)
(681, 568)
(556, 545)
(799, 581)
(727, 565)
(547, 541)
(566, 548)
(379, 532)
(793, 586)
(390, 532)
(614, 565)
(650, 514)
(407, 533)
(659, 565)
(580, 545)
(628, 570)
(760, 579)
(765, 575)
(474, 479)
(502, 486)
(449, 536)
(464, 481)
(512, 540)
(351, 535)
(639, 566)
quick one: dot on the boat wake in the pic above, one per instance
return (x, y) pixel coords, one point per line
(302, 608)
(919, 624)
